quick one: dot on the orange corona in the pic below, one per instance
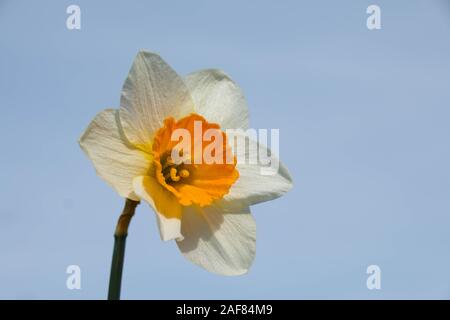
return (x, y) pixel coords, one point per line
(193, 182)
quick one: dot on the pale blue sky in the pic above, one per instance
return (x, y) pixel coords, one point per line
(364, 124)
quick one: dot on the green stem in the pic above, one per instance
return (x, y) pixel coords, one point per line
(115, 278)
(120, 237)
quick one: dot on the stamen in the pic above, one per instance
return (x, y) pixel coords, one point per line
(168, 175)
(184, 173)
(173, 175)
(172, 171)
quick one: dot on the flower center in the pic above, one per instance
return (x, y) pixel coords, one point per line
(171, 171)
(192, 160)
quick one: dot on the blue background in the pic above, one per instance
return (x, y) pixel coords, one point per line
(364, 123)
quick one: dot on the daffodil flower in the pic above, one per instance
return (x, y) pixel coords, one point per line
(204, 207)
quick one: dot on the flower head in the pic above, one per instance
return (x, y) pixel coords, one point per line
(199, 191)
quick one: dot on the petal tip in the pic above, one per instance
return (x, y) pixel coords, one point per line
(148, 54)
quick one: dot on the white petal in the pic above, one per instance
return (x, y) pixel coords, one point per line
(151, 93)
(256, 183)
(218, 98)
(167, 209)
(115, 161)
(220, 241)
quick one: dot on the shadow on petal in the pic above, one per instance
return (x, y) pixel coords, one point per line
(199, 224)
(218, 240)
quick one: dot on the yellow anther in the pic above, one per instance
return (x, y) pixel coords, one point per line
(184, 173)
(173, 174)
